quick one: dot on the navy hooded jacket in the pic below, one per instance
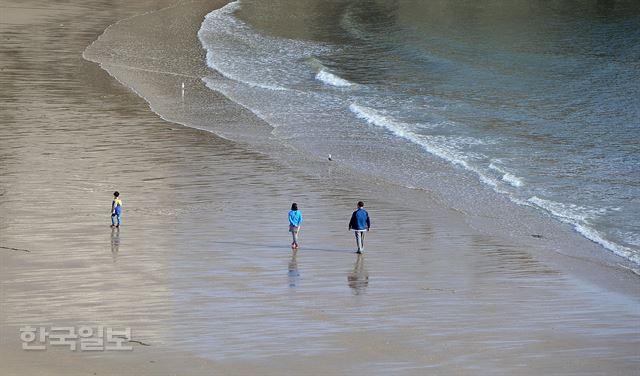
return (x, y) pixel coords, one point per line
(360, 220)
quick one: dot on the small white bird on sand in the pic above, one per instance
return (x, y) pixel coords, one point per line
(330, 157)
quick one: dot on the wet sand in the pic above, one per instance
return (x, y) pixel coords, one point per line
(201, 269)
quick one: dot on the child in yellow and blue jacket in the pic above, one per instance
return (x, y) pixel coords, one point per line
(116, 209)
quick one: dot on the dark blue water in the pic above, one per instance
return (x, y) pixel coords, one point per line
(539, 100)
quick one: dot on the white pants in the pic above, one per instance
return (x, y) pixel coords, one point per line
(360, 239)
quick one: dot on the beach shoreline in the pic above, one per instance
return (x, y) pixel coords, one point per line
(158, 81)
(433, 292)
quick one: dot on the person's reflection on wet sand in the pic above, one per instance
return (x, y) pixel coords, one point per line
(115, 242)
(294, 274)
(358, 279)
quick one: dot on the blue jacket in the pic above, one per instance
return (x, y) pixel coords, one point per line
(359, 220)
(295, 218)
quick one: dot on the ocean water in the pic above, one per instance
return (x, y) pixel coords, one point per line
(539, 101)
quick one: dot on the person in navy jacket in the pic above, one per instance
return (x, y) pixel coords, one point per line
(360, 224)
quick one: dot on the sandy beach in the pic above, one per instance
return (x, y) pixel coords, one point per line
(201, 269)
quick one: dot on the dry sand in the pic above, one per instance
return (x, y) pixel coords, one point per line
(201, 269)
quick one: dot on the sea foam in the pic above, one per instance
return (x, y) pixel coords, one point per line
(241, 54)
(507, 177)
(572, 214)
(403, 130)
(440, 146)
(332, 79)
(579, 217)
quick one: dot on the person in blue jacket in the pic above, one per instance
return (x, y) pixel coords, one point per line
(295, 220)
(360, 224)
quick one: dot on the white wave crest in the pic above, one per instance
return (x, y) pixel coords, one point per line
(241, 54)
(578, 217)
(512, 180)
(436, 145)
(443, 147)
(507, 177)
(570, 212)
(331, 79)
(224, 24)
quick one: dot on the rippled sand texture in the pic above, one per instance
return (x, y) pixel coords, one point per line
(201, 268)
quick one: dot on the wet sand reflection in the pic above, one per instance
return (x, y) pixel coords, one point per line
(115, 242)
(294, 273)
(358, 279)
